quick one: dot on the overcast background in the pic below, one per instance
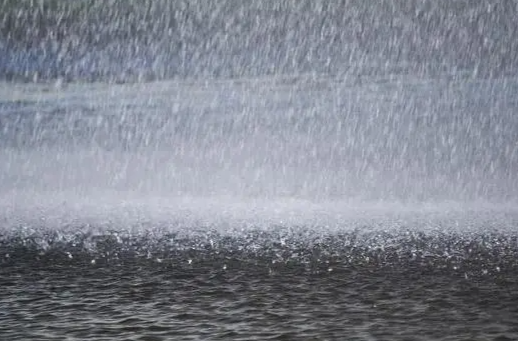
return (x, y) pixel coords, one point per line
(128, 40)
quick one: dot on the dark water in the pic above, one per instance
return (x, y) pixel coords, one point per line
(279, 283)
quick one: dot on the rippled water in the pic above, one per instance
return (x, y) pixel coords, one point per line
(297, 283)
(276, 208)
(424, 273)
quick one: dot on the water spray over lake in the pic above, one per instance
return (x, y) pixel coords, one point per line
(250, 170)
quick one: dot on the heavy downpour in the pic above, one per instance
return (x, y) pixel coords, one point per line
(258, 170)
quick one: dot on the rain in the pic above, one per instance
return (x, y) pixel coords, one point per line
(155, 154)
